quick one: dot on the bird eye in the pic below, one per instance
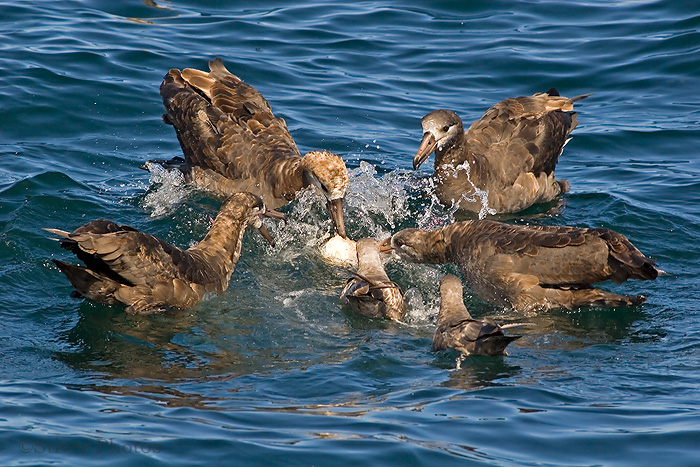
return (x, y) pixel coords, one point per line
(445, 128)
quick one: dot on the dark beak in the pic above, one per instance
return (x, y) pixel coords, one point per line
(335, 209)
(385, 246)
(275, 214)
(266, 235)
(427, 146)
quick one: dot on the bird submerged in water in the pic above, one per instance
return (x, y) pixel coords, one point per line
(531, 267)
(370, 292)
(508, 155)
(456, 329)
(232, 142)
(149, 275)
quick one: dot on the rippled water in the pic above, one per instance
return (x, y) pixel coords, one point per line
(275, 371)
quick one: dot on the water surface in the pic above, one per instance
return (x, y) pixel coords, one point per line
(275, 371)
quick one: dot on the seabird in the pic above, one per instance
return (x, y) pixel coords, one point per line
(370, 292)
(232, 142)
(149, 275)
(531, 267)
(456, 329)
(509, 154)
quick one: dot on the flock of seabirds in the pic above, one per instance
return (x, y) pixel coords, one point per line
(235, 147)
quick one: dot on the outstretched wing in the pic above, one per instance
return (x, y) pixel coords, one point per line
(130, 257)
(524, 134)
(223, 124)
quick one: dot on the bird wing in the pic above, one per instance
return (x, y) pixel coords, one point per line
(524, 134)
(556, 255)
(225, 125)
(136, 258)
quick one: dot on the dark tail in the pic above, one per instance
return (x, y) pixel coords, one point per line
(494, 344)
(88, 284)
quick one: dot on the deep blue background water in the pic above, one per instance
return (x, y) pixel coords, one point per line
(275, 371)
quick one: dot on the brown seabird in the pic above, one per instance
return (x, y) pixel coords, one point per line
(232, 142)
(456, 329)
(531, 267)
(149, 275)
(370, 292)
(509, 154)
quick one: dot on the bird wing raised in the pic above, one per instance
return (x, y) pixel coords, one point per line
(523, 134)
(225, 125)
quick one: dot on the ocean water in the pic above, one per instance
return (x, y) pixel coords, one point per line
(275, 371)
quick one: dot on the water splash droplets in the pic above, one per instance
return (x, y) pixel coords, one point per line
(171, 189)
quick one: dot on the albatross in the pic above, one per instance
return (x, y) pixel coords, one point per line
(530, 267)
(507, 157)
(456, 329)
(232, 142)
(370, 292)
(148, 275)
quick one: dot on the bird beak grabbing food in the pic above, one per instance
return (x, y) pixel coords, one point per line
(427, 146)
(385, 246)
(335, 209)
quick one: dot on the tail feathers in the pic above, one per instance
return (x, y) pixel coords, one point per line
(494, 344)
(89, 284)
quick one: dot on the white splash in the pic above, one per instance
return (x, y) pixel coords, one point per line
(477, 195)
(171, 191)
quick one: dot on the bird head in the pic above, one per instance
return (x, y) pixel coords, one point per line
(441, 128)
(328, 174)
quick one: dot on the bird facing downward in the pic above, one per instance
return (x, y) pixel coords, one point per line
(149, 275)
(370, 292)
(456, 329)
(232, 142)
(506, 159)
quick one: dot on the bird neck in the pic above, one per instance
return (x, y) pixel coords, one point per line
(370, 264)
(452, 151)
(451, 304)
(224, 240)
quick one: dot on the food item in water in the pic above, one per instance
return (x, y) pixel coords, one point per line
(340, 251)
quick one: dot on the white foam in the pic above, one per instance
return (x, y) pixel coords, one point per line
(171, 190)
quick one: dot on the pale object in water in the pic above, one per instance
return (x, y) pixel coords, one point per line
(340, 251)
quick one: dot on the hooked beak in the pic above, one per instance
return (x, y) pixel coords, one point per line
(266, 235)
(275, 214)
(335, 209)
(427, 146)
(385, 246)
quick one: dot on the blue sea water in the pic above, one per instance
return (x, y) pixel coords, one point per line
(275, 371)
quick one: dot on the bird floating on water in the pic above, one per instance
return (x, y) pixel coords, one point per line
(232, 142)
(370, 292)
(531, 267)
(456, 329)
(149, 275)
(505, 161)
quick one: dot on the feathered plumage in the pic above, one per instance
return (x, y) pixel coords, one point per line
(147, 274)
(532, 267)
(510, 152)
(456, 329)
(232, 142)
(370, 292)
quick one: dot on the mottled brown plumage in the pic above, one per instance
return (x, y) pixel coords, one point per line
(532, 267)
(232, 142)
(456, 329)
(510, 152)
(147, 274)
(370, 292)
